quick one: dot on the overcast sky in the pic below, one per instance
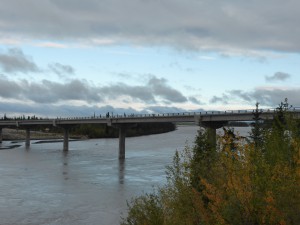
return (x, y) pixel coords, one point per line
(77, 58)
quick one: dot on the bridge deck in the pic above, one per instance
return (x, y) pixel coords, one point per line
(211, 120)
(214, 116)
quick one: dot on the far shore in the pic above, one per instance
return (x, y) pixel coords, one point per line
(19, 134)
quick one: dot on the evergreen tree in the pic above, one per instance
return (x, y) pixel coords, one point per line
(203, 159)
(256, 133)
(208, 186)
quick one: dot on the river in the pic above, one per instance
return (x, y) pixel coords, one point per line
(87, 185)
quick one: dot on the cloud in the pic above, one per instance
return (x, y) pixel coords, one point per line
(51, 45)
(245, 96)
(61, 70)
(49, 92)
(10, 89)
(269, 97)
(53, 111)
(162, 89)
(167, 109)
(224, 99)
(178, 66)
(68, 110)
(137, 93)
(272, 97)
(155, 90)
(210, 25)
(279, 76)
(14, 61)
(195, 100)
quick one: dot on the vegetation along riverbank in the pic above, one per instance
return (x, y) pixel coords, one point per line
(87, 131)
(233, 183)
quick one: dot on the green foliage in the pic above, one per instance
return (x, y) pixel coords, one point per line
(203, 159)
(177, 195)
(252, 183)
(145, 210)
(257, 130)
(103, 131)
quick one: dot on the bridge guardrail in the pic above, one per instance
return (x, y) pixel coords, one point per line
(103, 117)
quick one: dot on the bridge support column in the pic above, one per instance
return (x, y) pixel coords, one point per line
(1, 137)
(122, 137)
(211, 128)
(27, 140)
(66, 138)
(212, 137)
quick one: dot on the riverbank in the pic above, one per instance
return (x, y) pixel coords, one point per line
(19, 134)
(86, 132)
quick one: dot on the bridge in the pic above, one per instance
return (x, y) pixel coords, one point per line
(211, 120)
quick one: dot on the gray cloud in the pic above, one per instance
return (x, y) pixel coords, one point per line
(14, 60)
(61, 70)
(241, 94)
(141, 93)
(279, 76)
(218, 24)
(53, 111)
(160, 88)
(47, 91)
(67, 110)
(195, 100)
(167, 109)
(9, 89)
(275, 96)
(265, 96)
(50, 91)
(154, 90)
(224, 99)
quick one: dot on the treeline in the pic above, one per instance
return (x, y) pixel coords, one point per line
(233, 183)
(101, 130)
(104, 131)
(23, 117)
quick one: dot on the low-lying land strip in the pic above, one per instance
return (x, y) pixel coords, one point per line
(19, 134)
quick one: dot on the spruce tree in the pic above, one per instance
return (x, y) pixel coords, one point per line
(256, 133)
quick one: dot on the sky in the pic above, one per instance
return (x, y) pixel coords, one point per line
(81, 58)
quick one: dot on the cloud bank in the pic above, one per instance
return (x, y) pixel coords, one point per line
(156, 90)
(266, 96)
(218, 25)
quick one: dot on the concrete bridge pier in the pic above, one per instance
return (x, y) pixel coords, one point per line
(211, 128)
(27, 137)
(1, 137)
(122, 137)
(212, 137)
(66, 129)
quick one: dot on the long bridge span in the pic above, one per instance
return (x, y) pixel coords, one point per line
(211, 120)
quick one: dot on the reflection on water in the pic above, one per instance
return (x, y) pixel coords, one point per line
(121, 170)
(65, 167)
(86, 185)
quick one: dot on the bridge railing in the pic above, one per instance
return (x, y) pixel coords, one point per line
(149, 115)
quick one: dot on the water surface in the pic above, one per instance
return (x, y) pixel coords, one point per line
(88, 184)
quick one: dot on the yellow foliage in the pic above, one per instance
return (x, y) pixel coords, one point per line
(236, 183)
